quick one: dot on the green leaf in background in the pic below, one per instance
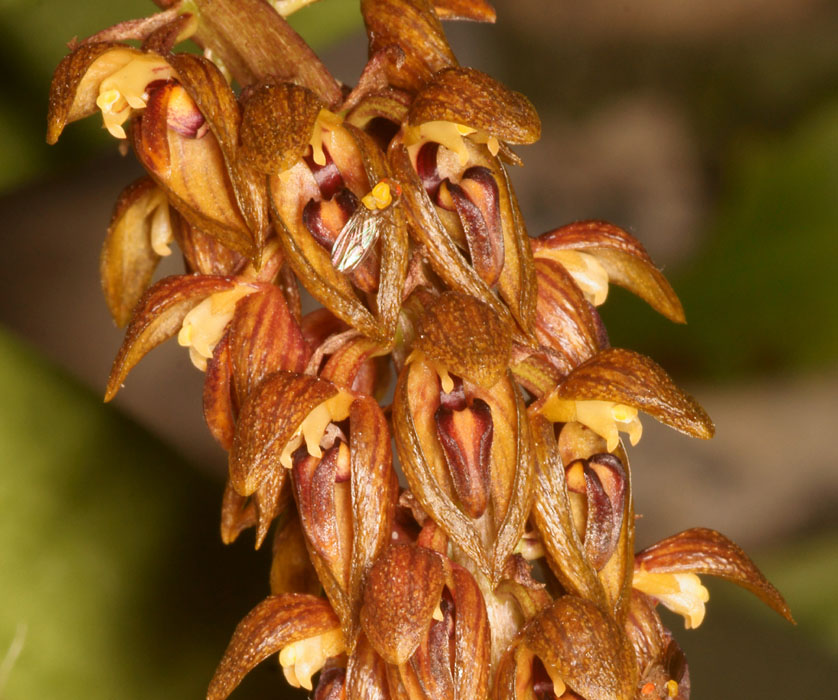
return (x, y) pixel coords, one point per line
(113, 579)
(761, 296)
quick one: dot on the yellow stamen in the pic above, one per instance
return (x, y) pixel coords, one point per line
(671, 688)
(682, 593)
(437, 614)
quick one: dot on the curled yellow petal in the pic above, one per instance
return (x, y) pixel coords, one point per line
(302, 659)
(681, 593)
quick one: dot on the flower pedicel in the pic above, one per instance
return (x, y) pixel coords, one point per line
(507, 567)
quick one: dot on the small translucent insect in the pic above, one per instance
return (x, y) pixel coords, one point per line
(357, 238)
(361, 232)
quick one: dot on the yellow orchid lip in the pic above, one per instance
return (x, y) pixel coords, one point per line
(302, 659)
(313, 427)
(326, 121)
(204, 325)
(126, 89)
(682, 593)
(606, 418)
(450, 135)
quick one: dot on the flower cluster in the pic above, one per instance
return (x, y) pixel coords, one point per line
(506, 567)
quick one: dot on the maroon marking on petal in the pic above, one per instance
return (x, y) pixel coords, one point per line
(456, 398)
(466, 439)
(328, 176)
(382, 131)
(426, 168)
(484, 237)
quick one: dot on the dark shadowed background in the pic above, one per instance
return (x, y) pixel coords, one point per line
(709, 130)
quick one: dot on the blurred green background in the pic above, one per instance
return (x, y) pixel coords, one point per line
(710, 130)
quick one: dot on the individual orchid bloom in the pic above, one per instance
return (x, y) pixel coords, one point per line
(595, 253)
(335, 203)
(668, 573)
(583, 513)
(140, 234)
(606, 392)
(115, 79)
(197, 308)
(426, 617)
(345, 500)
(462, 201)
(302, 629)
(461, 431)
(569, 650)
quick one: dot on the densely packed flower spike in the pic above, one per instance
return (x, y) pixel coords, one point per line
(506, 568)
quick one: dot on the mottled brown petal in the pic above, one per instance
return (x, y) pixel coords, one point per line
(317, 503)
(644, 629)
(291, 569)
(474, 10)
(414, 26)
(128, 260)
(402, 590)
(375, 489)
(268, 420)
(272, 49)
(217, 399)
(564, 320)
(237, 515)
(277, 123)
(705, 551)
(472, 637)
(352, 365)
(465, 336)
(331, 684)
(623, 257)
(632, 379)
(366, 673)
(273, 624)
(75, 84)
(513, 472)
(470, 97)
(553, 517)
(587, 648)
(192, 171)
(430, 667)
(264, 338)
(158, 316)
(203, 253)
(208, 87)
(270, 500)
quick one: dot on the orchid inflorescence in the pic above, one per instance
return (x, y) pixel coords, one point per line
(506, 567)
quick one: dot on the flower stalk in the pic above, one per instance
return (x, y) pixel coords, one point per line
(506, 567)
